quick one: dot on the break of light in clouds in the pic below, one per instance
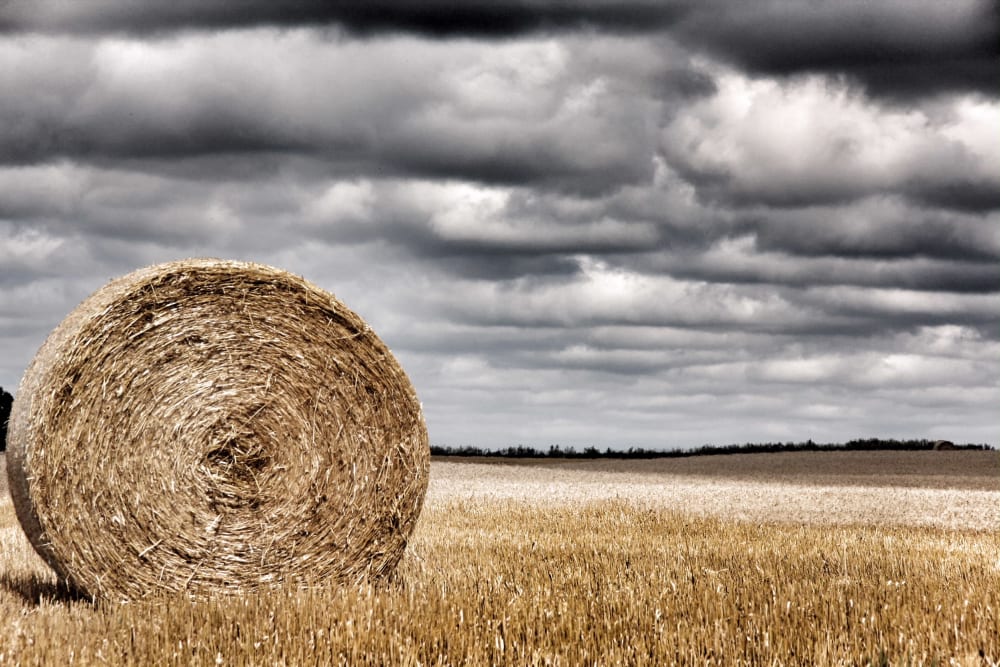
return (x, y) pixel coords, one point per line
(612, 223)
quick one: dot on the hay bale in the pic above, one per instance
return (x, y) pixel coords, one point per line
(214, 426)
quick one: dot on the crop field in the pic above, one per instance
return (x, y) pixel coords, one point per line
(826, 558)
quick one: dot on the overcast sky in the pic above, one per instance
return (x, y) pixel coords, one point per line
(596, 222)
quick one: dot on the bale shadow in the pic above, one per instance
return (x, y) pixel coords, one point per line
(34, 589)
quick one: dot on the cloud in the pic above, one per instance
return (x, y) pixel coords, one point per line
(683, 385)
(879, 228)
(897, 49)
(741, 259)
(396, 106)
(617, 224)
(431, 18)
(813, 141)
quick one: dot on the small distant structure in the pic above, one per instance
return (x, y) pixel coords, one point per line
(943, 445)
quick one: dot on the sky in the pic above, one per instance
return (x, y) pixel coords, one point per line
(610, 223)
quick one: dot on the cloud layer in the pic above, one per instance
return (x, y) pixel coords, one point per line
(628, 223)
(896, 48)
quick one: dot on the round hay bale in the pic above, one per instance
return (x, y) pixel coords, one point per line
(214, 426)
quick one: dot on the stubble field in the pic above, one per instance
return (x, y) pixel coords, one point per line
(793, 558)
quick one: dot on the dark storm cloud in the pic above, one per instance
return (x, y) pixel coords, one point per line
(896, 48)
(776, 269)
(944, 190)
(878, 311)
(899, 234)
(204, 137)
(970, 195)
(488, 18)
(515, 160)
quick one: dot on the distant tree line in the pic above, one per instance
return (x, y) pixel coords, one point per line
(558, 452)
(6, 401)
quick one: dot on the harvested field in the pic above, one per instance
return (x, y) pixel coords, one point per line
(590, 563)
(969, 469)
(956, 490)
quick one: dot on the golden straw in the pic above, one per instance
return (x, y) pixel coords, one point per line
(215, 426)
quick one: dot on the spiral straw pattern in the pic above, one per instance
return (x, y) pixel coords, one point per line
(214, 426)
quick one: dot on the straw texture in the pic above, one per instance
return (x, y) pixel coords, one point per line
(213, 426)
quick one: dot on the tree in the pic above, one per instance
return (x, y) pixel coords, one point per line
(6, 400)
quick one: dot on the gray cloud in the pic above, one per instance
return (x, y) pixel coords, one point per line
(586, 223)
(434, 18)
(739, 261)
(405, 108)
(879, 230)
(896, 50)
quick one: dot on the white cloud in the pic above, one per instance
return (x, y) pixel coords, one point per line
(814, 139)
(973, 127)
(28, 248)
(350, 202)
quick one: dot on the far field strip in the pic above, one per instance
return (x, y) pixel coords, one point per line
(953, 490)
